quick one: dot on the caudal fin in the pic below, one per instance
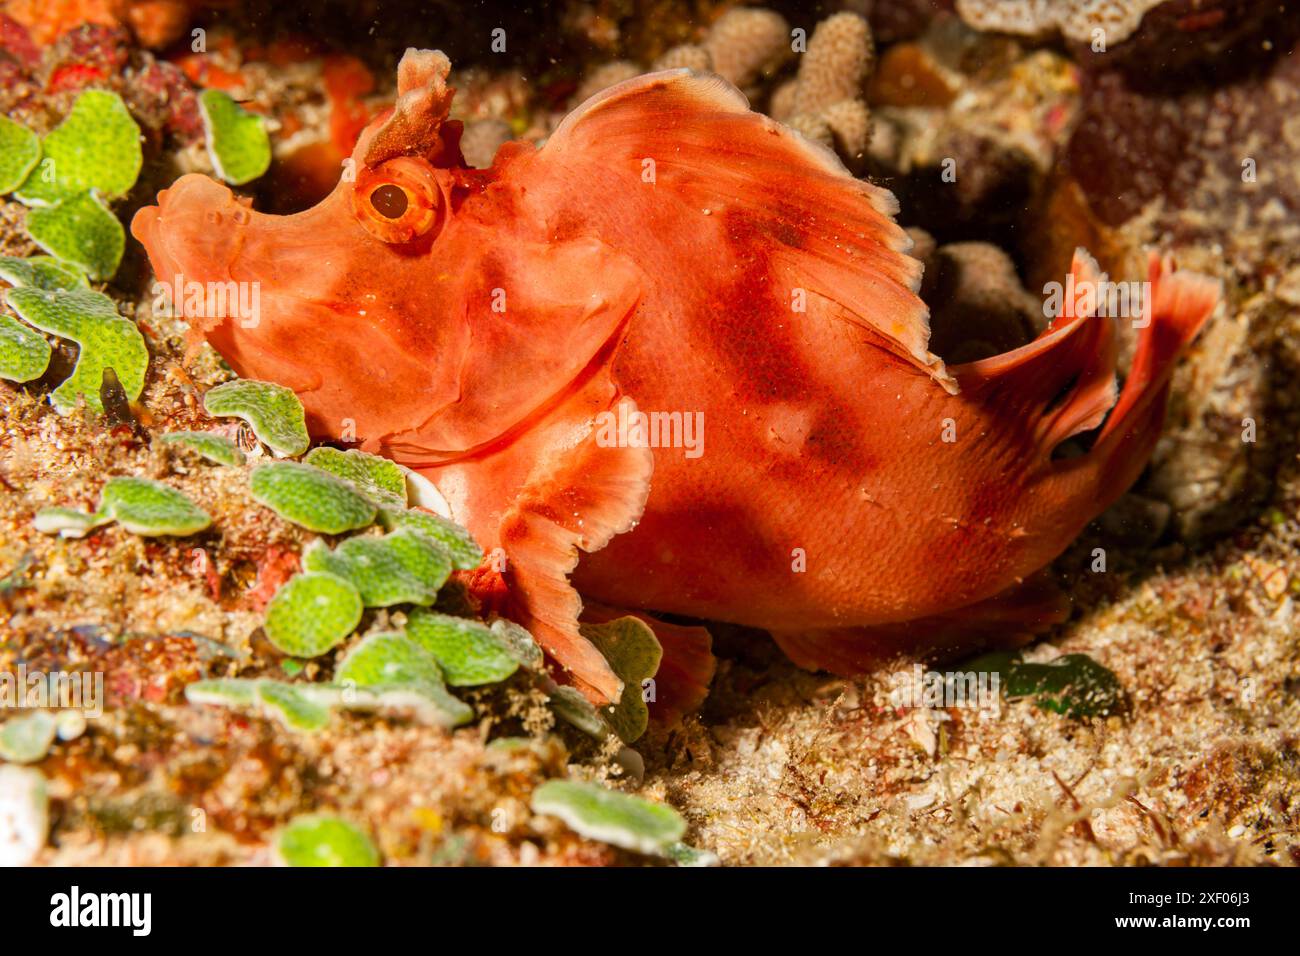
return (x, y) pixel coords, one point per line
(1176, 306)
(1063, 382)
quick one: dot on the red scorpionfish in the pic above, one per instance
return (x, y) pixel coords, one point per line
(669, 255)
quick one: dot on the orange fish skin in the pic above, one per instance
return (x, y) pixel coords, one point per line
(826, 499)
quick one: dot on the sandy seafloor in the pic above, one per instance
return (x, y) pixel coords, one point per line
(1195, 613)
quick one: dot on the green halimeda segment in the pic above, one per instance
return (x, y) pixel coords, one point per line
(304, 707)
(68, 522)
(147, 507)
(469, 653)
(634, 654)
(465, 553)
(1073, 684)
(106, 340)
(41, 272)
(20, 150)
(619, 819)
(97, 146)
(309, 497)
(140, 505)
(384, 483)
(24, 354)
(291, 707)
(237, 141)
(232, 692)
(404, 567)
(569, 705)
(312, 613)
(319, 840)
(217, 449)
(387, 659)
(272, 411)
(685, 855)
(394, 666)
(379, 479)
(80, 230)
(519, 643)
(27, 738)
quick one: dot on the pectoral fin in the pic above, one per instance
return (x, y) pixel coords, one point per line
(535, 504)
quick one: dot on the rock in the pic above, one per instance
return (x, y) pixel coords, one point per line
(977, 305)
(24, 815)
(747, 43)
(482, 139)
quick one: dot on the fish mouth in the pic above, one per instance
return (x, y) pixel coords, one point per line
(194, 234)
(209, 276)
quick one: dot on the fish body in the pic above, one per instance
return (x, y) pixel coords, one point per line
(671, 259)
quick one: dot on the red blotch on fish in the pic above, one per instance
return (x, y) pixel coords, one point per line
(669, 252)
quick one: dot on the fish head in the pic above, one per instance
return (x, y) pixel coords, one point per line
(349, 303)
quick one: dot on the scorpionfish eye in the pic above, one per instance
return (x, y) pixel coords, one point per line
(397, 201)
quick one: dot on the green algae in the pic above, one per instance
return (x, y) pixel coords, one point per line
(322, 840)
(312, 613)
(392, 664)
(106, 340)
(469, 652)
(634, 654)
(618, 819)
(96, 147)
(273, 412)
(140, 505)
(309, 497)
(24, 353)
(238, 144)
(379, 479)
(212, 447)
(20, 151)
(465, 552)
(403, 567)
(41, 272)
(27, 738)
(147, 507)
(82, 231)
(1074, 684)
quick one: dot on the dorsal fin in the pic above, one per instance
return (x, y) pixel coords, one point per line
(830, 234)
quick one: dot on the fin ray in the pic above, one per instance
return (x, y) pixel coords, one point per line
(579, 497)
